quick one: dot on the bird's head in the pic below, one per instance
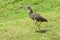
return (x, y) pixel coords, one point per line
(28, 8)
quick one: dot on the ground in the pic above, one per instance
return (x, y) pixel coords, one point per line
(15, 23)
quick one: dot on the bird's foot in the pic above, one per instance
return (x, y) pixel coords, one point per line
(37, 31)
(41, 31)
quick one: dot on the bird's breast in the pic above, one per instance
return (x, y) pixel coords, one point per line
(31, 16)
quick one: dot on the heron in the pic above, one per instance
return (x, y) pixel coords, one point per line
(35, 17)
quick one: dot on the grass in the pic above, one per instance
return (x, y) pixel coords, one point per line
(16, 24)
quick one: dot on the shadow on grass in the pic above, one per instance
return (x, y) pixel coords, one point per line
(42, 31)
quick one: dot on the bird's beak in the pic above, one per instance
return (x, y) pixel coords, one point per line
(21, 7)
(24, 7)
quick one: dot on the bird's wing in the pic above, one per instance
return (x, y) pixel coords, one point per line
(39, 17)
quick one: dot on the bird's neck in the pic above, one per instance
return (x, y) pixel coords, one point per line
(30, 11)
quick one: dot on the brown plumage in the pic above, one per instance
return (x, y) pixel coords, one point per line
(34, 16)
(37, 17)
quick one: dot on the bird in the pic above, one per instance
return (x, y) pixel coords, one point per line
(35, 17)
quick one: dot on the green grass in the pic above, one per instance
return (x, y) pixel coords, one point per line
(16, 24)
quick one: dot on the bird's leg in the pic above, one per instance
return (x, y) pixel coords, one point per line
(40, 26)
(37, 26)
